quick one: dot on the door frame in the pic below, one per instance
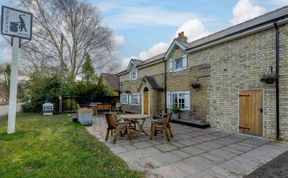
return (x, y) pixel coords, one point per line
(142, 105)
(263, 110)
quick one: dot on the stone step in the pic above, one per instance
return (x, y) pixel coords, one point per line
(193, 123)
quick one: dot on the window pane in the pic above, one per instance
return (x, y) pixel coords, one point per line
(175, 99)
(178, 64)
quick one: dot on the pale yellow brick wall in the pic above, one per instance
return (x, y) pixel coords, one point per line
(239, 65)
(235, 65)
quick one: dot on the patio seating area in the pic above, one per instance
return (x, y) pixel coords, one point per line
(192, 152)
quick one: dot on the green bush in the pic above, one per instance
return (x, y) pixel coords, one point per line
(49, 87)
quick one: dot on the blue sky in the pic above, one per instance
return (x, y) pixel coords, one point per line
(143, 28)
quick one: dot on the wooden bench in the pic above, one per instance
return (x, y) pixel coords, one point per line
(102, 107)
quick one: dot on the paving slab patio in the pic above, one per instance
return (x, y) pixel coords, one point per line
(192, 152)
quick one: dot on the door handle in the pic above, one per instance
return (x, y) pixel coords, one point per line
(261, 110)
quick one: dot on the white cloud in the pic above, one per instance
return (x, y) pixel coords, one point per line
(118, 40)
(245, 10)
(125, 62)
(193, 29)
(156, 49)
(129, 14)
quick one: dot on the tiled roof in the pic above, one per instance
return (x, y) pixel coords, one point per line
(112, 80)
(137, 62)
(242, 26)
(154, 58)
(153, 82)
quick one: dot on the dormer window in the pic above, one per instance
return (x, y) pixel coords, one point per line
(178, 64)
(134, 75)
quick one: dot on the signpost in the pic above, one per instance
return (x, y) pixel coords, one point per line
(18, 25)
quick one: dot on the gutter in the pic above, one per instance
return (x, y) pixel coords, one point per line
(277, 33)
(165, 85)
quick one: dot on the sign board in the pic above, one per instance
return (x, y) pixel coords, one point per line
(16, 23)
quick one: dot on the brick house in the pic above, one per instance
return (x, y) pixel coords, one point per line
(218, 78)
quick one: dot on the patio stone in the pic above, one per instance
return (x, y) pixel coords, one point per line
(225, 155)
(140, 153)
(198, 163)
(180, 154)
(206, 137)
(171, 171)
(118, 149)
(255, 141)
(129, 147)
(220, 172)
(229, 149)
(212, 158)
(237, 167)
(240, 147)
(225, 141)
(166, 147)
(208, 145)
(161, 159)
(187, 142)
(258, 157)
(143, 144)
(179, 145)
(192, 150)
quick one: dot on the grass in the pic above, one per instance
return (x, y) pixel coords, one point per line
(53, 146)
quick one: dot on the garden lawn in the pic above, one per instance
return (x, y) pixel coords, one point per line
(53, 146)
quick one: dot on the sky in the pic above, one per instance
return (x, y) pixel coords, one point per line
(145, 28)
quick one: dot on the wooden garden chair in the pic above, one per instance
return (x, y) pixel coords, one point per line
(116, 126)
(162, 126)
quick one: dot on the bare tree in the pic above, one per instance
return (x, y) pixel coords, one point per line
(64, 31)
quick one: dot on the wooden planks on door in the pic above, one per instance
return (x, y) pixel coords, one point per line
(251, 112)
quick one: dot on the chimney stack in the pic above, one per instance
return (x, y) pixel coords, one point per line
(182, 37)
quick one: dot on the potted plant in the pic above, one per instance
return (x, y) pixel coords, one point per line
(196, 85)
(175, 112)
(269, 77)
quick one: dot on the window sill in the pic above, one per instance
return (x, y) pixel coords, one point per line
(135, 104)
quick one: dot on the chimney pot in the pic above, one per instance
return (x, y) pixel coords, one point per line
(182, 37)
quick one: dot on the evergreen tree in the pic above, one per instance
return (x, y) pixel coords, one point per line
(88, 70)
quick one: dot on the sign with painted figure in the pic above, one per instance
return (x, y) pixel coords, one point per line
(16, 23)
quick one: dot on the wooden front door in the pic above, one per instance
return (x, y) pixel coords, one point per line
(251, 112)
(146, 105)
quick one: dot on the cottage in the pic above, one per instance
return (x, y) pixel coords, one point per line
(236, 79)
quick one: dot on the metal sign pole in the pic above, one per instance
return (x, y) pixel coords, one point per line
(13, 86)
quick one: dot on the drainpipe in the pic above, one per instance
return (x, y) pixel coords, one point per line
(165, 86)
(277, 82)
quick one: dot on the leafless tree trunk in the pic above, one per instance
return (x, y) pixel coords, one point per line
(83, 32)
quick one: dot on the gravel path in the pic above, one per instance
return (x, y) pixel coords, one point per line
(276, 168)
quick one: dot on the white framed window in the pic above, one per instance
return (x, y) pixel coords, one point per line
(124, 97)
(133, 74)
(180, 99)
(178, 64)
(134, 99)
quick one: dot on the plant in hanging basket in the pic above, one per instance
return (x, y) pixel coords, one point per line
(196, 85)
(268, 78)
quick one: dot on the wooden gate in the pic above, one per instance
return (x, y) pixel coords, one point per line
(251, 112)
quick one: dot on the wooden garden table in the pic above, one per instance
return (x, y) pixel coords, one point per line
(139, 119)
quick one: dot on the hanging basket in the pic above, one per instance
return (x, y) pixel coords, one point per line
(196, 85)
(268, 79)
